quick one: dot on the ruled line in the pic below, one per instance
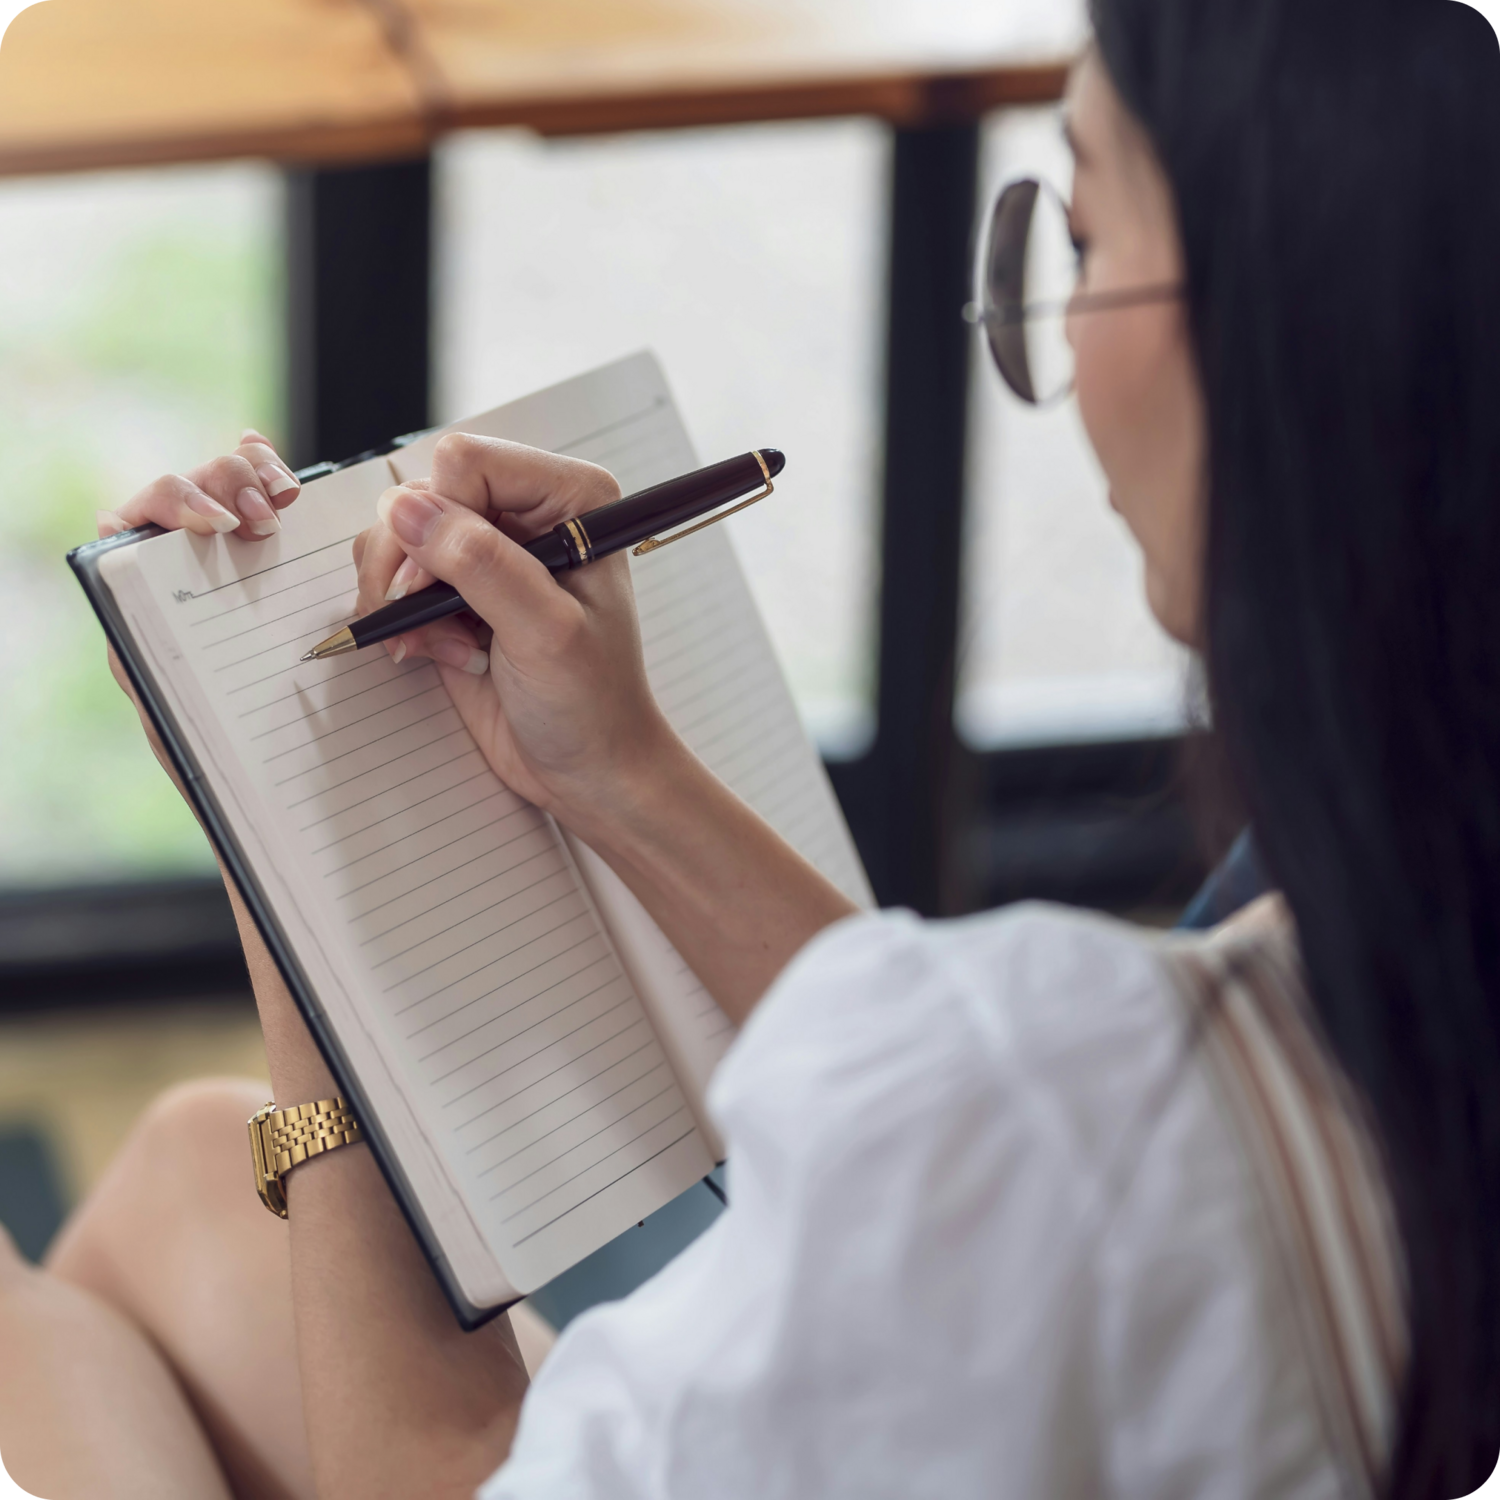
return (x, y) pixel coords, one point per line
(558, 1098)
(443, 875)
(516, 1245)
(489, 1109)
(574, 1178)
(409, 807)
(493, 906)
(452, 760)
(573, 1119)
(359, 859)
(603, 1130)
(285, 563)
(480, 970)
(301, 609)
(562, 1010)
(289, 643)
(261, 599)
(344, 671)
(441, 848)
(614, 978)
(567, 895)
(344, 755)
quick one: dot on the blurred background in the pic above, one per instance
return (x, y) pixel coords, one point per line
(783, 208)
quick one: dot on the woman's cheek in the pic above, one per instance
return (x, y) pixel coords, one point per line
(1120, 394)
(1102, 385)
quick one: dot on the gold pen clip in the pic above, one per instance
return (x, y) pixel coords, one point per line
(653, 543)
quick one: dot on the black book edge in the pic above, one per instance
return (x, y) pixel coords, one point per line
(84, 562)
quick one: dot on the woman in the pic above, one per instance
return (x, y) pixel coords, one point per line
(1034, 1203)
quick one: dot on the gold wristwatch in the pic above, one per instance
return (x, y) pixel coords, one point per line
(281, 1139)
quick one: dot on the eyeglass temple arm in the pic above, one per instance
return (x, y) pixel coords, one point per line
(1081, 302)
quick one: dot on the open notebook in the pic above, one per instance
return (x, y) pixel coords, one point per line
(526, 1051)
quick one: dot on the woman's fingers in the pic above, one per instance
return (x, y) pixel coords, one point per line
(240, 493)
(275, 474)
(450, 643)
(386, 573)
(526, 490)
(500, 581)
(410, 578)
(379, 560)
(233, 482)
(177, 503)
(252, 483)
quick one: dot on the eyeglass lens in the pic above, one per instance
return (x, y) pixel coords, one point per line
(1030, 271)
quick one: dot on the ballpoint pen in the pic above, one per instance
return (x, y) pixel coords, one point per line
(638, 520)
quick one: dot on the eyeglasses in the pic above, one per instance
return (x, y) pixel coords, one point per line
(1029, 286)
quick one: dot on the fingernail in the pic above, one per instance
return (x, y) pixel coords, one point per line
(214, 513)
(410, 516)
(406, 575)
(455, 654)
(277, 481)
(398, 653)
(107, 523)
(259, 516)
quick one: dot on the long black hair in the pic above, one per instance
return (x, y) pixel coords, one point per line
(1336, 167)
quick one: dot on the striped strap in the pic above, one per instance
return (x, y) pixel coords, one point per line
(1319, 1175)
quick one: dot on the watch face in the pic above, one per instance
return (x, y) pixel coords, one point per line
(267, 1183)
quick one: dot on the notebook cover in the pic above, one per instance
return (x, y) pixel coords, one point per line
(85, 562)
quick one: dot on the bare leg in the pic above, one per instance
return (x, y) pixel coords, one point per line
(175, 1239)
(89, 1409)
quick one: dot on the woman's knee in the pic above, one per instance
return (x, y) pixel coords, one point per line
(184, 1162)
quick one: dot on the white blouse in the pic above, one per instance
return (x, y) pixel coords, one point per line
(994, 1231)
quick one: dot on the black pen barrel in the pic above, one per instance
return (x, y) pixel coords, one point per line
(647, 513)
(439, 600)
(611, 528)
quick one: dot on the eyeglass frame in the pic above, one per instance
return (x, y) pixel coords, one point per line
(1004, 318)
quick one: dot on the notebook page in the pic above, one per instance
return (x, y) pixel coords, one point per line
(715, 673)
(455, 938)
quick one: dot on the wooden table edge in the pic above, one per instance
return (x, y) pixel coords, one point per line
(344, 145)
(901, 98)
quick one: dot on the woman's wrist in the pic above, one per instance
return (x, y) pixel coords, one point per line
(614, 810)
(607, 803)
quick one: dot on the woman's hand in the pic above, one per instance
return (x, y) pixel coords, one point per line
(558, 702)
(240, 492)
(560, 706)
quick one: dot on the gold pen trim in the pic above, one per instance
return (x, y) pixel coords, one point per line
(335, 645)
(581, 540)
(656, 542)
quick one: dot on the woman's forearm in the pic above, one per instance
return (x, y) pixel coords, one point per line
(736, 900)
(399, 1401)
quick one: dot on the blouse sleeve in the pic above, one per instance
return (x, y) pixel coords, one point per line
(905, 1296)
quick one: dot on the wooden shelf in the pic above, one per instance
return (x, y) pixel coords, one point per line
(579, 66)
(109, 83)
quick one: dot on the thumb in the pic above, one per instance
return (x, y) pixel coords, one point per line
(499, 580)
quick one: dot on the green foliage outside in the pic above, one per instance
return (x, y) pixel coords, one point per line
(153, 359)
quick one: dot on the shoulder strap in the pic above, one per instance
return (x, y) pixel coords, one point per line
(1320, 1177)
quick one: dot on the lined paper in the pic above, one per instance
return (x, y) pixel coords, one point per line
(714, 671)
(451, 902)
(548, 1045)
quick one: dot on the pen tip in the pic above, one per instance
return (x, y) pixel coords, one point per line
(308, 656)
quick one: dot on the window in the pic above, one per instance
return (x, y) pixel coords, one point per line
(1056, 643)
(139, 330)
(752, 260)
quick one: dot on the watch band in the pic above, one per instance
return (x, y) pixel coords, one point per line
(281, 1139)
